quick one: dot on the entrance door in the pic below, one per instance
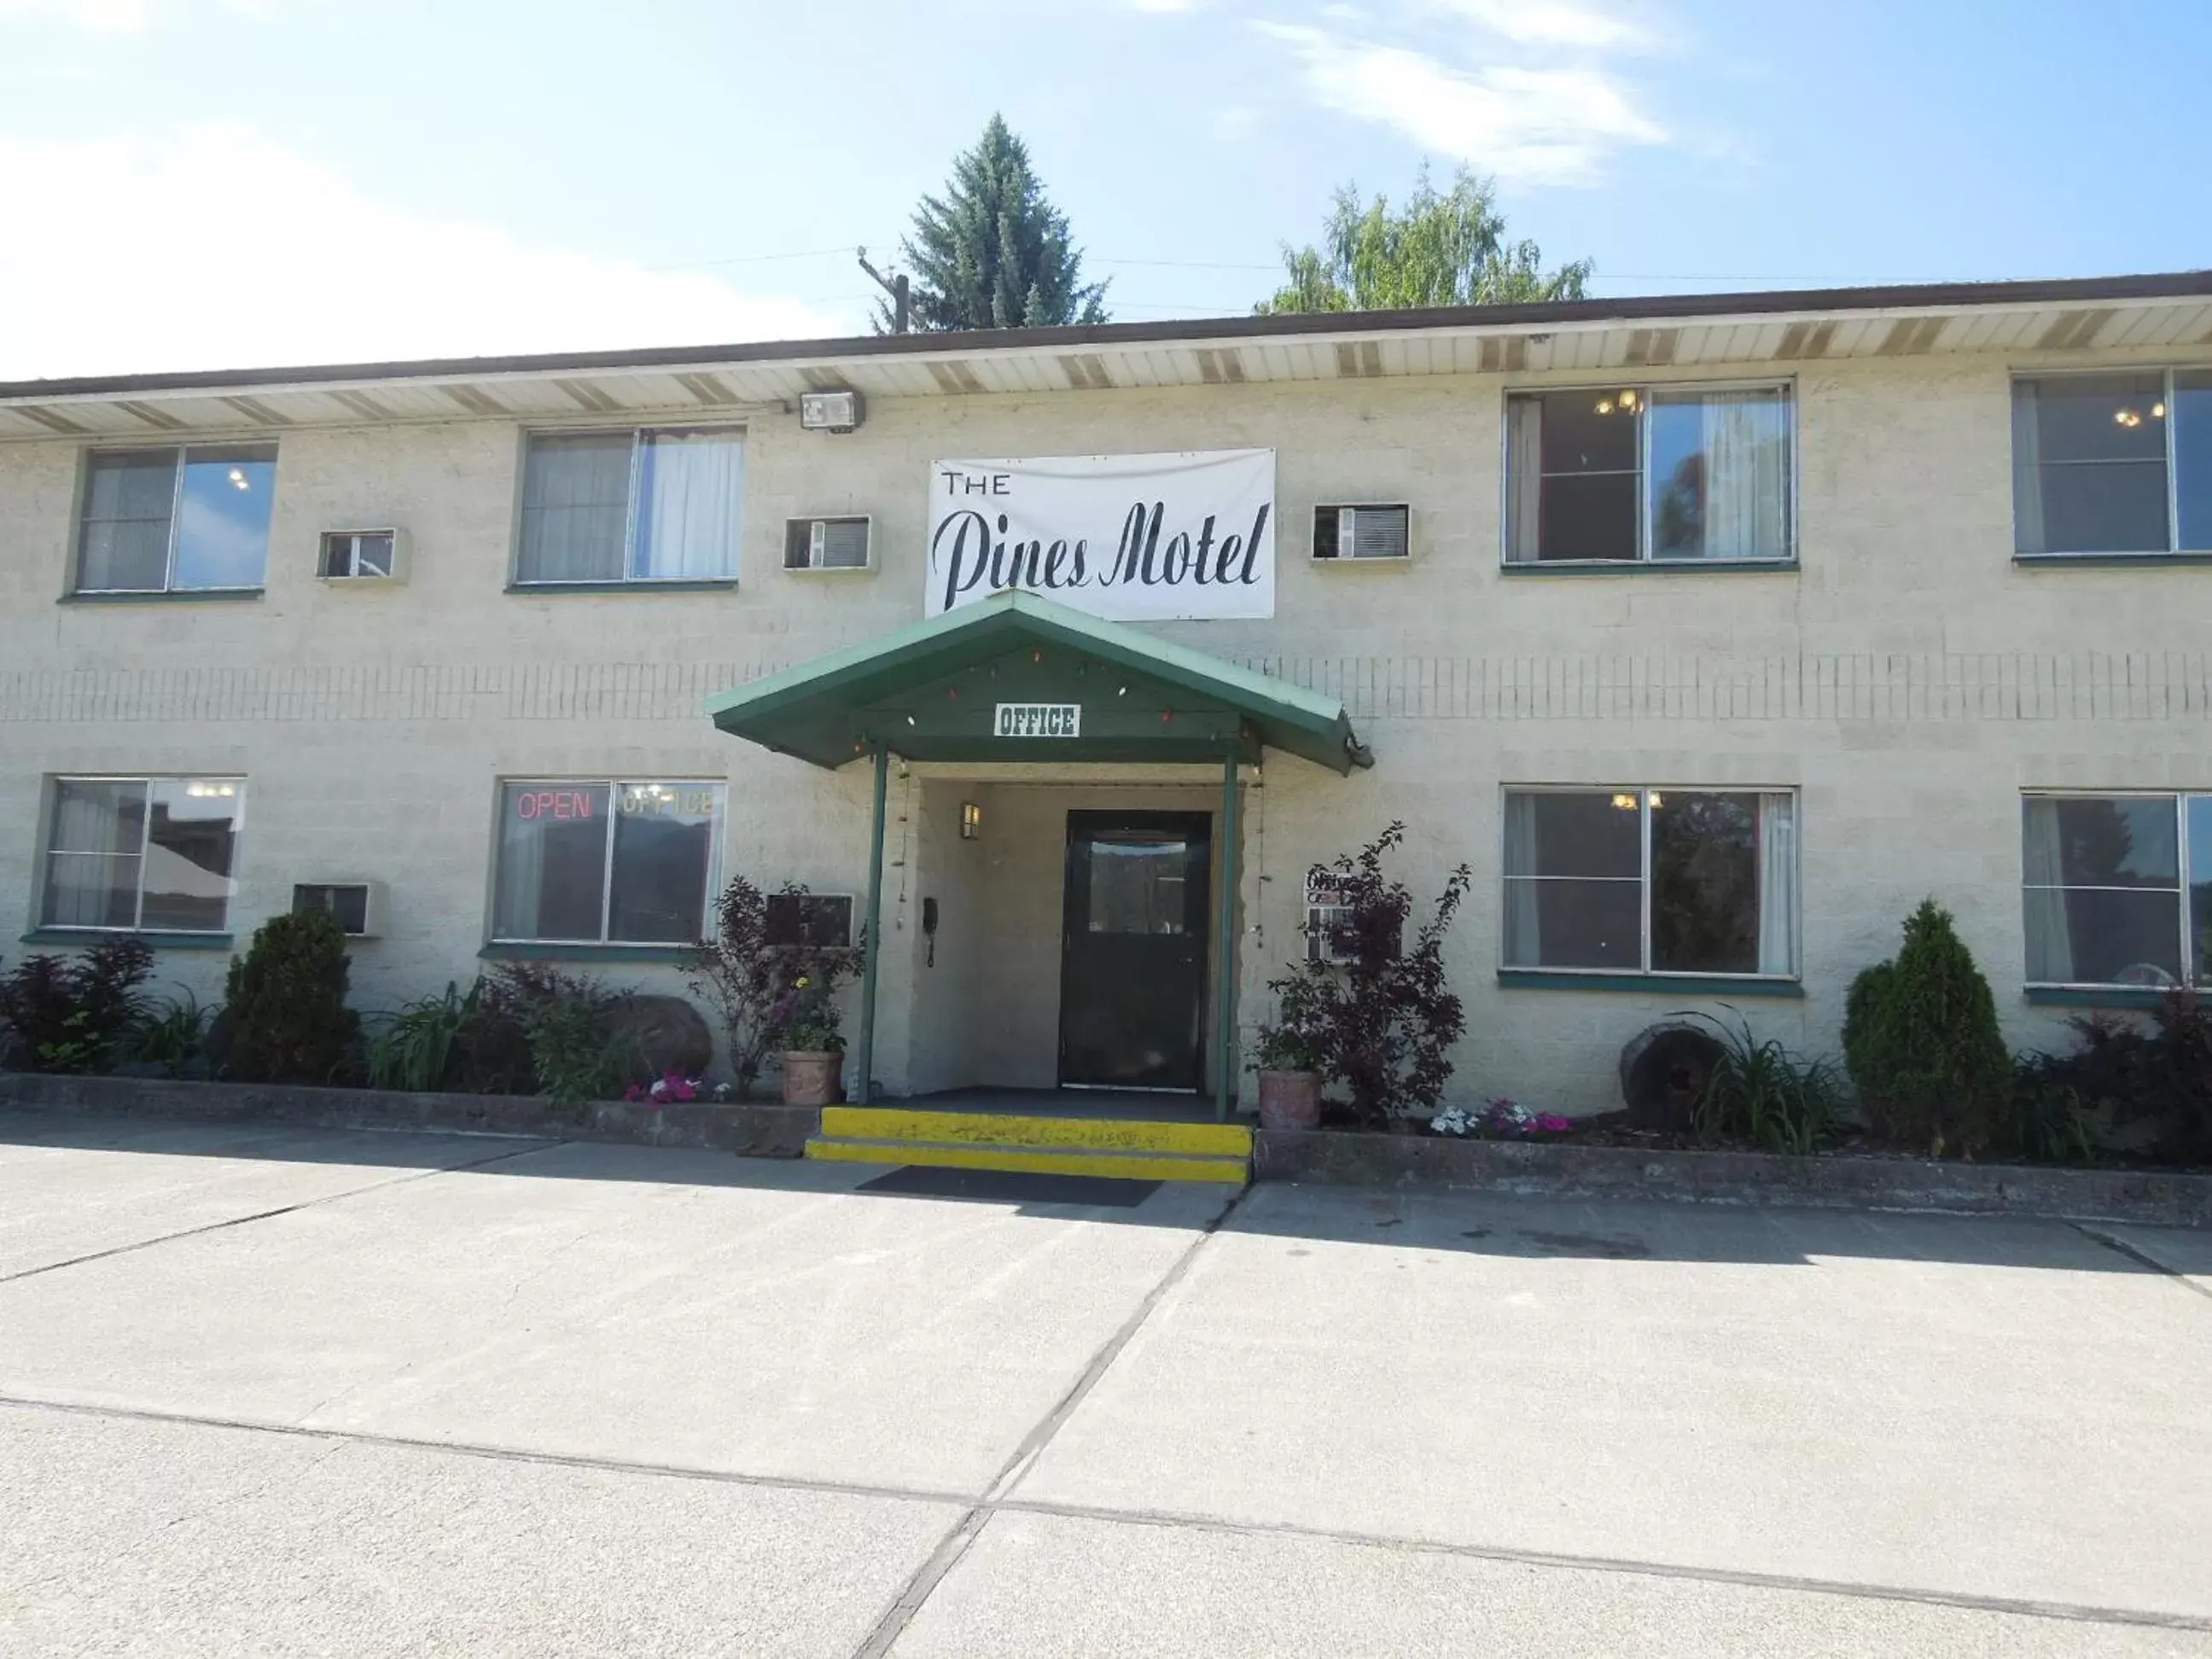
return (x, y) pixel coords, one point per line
(1133, 955)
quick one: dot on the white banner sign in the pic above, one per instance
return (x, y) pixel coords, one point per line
(1131, 537)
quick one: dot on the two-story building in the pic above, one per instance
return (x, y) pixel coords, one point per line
(1711, 633)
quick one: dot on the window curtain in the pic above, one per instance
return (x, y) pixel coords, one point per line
(1524, 466)
(1747, 476)
(123, 535)
(692, 496)
(2028, 534)
(107, 821)
(521, 869)
(576, 507)
(2049, 935)
(1524, 941)
(1778, 885)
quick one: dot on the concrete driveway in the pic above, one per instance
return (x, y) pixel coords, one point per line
(296, 1392)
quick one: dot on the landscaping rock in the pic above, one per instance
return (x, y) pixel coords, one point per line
(668, 1033)
(1663, 1071)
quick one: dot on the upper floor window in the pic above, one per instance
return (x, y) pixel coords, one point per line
(2113, 463)
(597, 861)
(2118, 889)
(190, 519)
(662, 504)
(1624, 474)
(130, 853)
(1651, 881)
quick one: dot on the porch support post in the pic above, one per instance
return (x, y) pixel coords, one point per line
(874, 940)
(1225, 1078)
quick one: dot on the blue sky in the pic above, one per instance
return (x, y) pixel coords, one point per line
(197, 183)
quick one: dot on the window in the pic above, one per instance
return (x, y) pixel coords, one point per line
(2118, 889)
(661, 505)
(154, 854)
(2113, 463)
(598, 862)
(176, 521)
(820, 920)
(1624, 475)
(1656, 881)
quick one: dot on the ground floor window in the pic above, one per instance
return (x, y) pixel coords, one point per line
(1651, 880)
(605, 861)
(156, 854)
(2117, 888)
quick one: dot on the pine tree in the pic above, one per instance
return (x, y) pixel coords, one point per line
(993, 252)
(1436, 250)
(1922, 1044)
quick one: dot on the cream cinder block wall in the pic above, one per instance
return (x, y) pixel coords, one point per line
(1908, 678)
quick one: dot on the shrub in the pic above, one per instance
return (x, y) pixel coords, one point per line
(745, 978)
(1297, 1040)
(568, 1022)
(805, 1017)
(2159, 1075)
(176, 1040)
(415, 1046)
(287, 1012)
(1920, 1039)
(1387, 1016)
(1759, 1092)
(78, 1014)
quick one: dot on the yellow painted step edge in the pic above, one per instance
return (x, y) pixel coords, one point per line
(1123, 1167)
(1104, 1133)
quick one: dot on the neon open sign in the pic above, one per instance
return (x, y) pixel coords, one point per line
(1038, 719)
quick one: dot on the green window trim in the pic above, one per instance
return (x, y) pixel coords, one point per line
(1648, 567)
(1697, 985)
(2097, 996)
(155, 938)
(642, 585)
(530, 951)
(2105, 560)
(164, 596)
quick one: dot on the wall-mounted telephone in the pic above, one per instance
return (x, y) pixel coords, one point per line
(929, 930)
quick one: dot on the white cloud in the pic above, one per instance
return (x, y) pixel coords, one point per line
(95, 17)
(1554, 23)
(214, 247)
(1529, 126)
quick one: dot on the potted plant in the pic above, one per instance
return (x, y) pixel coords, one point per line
(804, 1021)
(1292, 1060)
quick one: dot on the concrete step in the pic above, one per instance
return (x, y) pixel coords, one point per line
(1110, 1164)
(1097, 1134)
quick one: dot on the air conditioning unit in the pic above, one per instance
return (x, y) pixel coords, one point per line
(1325, 914)
(353, 557)
(1367, 532)
(828, 544)
(357, 907)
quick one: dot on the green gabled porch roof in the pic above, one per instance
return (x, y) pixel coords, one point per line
(928, 691)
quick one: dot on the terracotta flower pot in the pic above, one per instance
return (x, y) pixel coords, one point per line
(1290, 1100)
(813, 1077)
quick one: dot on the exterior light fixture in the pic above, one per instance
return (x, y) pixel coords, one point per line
(842, 411)
(971, 820)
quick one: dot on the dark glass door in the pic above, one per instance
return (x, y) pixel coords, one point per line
(1132, 956)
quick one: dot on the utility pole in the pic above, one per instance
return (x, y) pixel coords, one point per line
(895, 286)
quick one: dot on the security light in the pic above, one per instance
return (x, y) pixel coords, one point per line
(831, 411)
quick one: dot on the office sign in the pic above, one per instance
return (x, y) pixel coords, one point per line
(1038, 719)
(1129, 537)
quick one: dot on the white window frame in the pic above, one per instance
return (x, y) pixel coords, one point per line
(2173, 548)
(614, 786)
(2181, 797)
(182, 451)
(1644, 794)
(638, 435)
(1645, 392)
(49, 852)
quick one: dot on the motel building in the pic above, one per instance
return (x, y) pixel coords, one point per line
(1712, 633)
